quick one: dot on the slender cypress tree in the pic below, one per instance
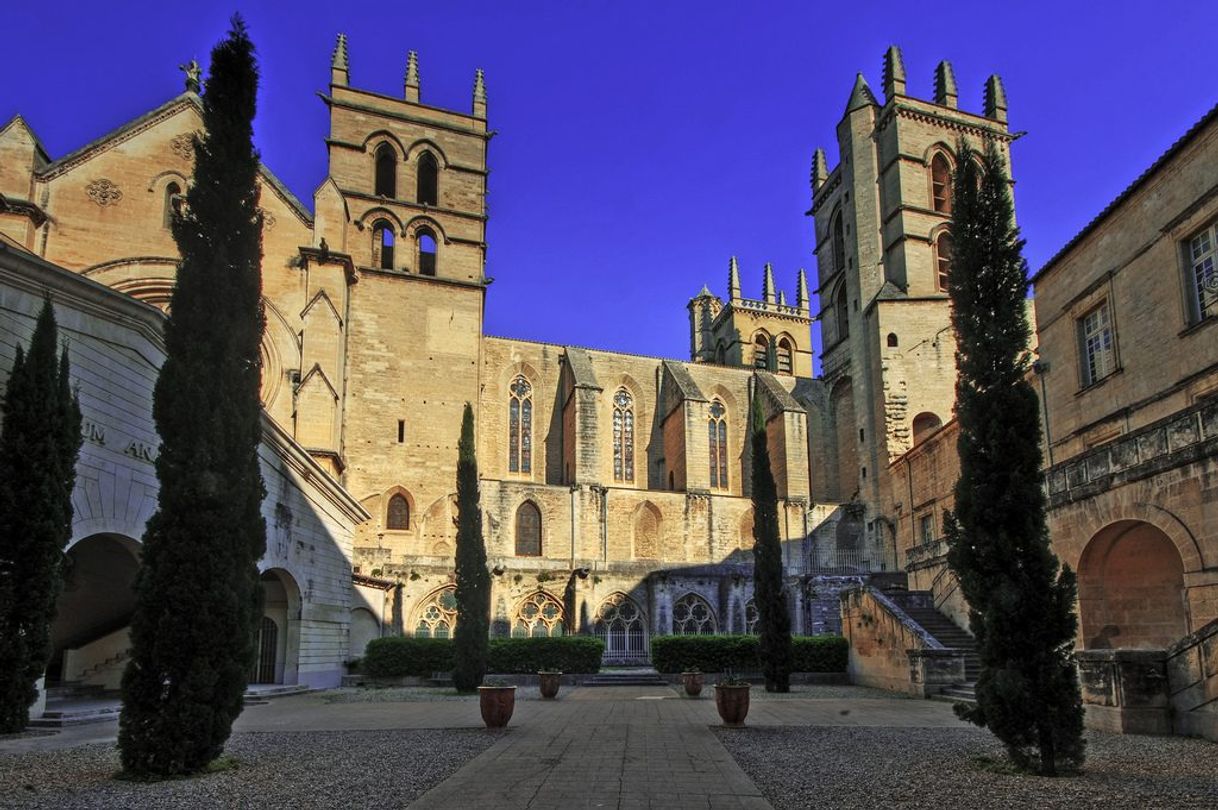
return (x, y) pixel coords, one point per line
(1021, 598)
(198, 595)
(470, 639)
(39, 443)
(773, 620)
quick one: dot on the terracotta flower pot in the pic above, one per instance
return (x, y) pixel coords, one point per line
(549, 682)
(732, 703)
(692, 682)
(497, 703)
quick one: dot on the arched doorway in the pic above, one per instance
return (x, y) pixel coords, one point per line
(278, 640)
(621, 625)
(1131, 589)
(90, 636)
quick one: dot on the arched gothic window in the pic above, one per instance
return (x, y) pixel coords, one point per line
(437, 617)
(841, 311)
(761, 351)
(750, 616)
(520, 426)
(720, 353)
(427, 251)
(943, 259)
(717, 435)
(428, 179)
(528, 530)
(784, 356)
(692, 616)
(173, 203)
(839, 244)
(397, 516)
(539, 616)
(382, 245)
(385, 184)
(941, 184)
(623, 436)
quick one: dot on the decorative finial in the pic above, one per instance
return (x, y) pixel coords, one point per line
(820, 169)
(412, 76)
(945, 85)
(479, 94)
(767, 284)
(339, 67)
(995, 99)
(801, 290)
(861, 96)
(192, 71)
(782, 297)
(733, 279)
(894, 73)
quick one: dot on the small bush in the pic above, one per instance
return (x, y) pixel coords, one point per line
(397, 656)
(740, 653)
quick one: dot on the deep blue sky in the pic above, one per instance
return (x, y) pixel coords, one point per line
(642, 143)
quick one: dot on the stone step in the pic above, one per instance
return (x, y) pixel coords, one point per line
(958, 693)
(595, 681)
(73, 689)
(71, 716)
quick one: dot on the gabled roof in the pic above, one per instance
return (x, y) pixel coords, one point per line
(1142, 179)
(580, 364)
(782, 400)
(17, 120)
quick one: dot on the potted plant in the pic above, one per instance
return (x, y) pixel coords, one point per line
(691, 679)
(549, 681)
(732, 700)
(496, 699)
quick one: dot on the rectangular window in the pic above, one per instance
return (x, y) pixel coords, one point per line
(1202, 281)
(1097, 344)
(401, 431)
(926, 529)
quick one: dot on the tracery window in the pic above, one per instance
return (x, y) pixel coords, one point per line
(717, 435)
(839, 244)
(784, 356)
(382, 245)
(841, 312)
(941, 184)
(173, 203)
(437, 617)
(944, 245)
(621, 625)
(623, 436)
(539, 616)
(692, 616)
(528, 530)
(761, 352)
(520, 426)
(427, 252)
(385, 184)
(428, 179)
(750, 616)
(397, 516)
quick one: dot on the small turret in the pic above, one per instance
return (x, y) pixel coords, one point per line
(801, 291)
(339, 68)
(995, 99)
(767, 284)
(946, 94)
(412, 76)
(861, 96)
(479, 94)
(820, 170)
(894, 73)
(733, 280)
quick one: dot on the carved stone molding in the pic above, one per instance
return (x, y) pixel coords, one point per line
(103, 192)
(183, 146)
(268, 219)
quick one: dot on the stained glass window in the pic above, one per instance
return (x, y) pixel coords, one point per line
(528, 530)
(623, 436)
(692, 616)
(717, 436)
(398, 514)
(520, 427)
(437, 617)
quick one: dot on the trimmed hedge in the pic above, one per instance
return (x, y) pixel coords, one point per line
(739, 653)
(396, 656)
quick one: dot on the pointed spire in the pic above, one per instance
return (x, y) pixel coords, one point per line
(479, 94)
(820, 169)
(733, 280)
(339, 68)
(861, 96)
(705, 293)
(767, 284)
(995, 99)
(782, 297)
(946, 94)
(801, 290)
(412, 76)
(894, 73)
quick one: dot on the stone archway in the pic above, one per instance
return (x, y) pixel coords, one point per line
(1131, 589)
(278, 639)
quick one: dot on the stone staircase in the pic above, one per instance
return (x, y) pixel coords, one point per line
(949, 634)
(635, 676)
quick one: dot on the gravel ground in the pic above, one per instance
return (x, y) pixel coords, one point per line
(943, 768)
(412, 694)
(340, 769)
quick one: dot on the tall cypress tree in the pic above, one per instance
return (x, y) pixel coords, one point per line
(39, 443)
(1021, 598)
(198, 592)
(470, 640)
(773, 620)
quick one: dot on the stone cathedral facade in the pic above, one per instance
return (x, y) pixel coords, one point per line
(616, 484)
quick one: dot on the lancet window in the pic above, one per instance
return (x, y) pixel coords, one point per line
(427, 252)
(520, 426)
(428, 179)
(385, 184)
(528, 530)
(398, 514)
(382, 245)
(941, 184)
(717, 435)
(784, 356)
(943, 259)
(761, 352)
(623, 436)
